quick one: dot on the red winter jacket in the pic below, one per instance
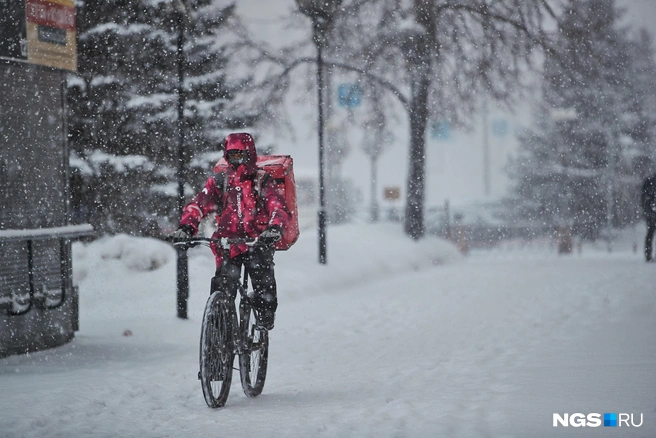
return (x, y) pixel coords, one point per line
(245, 214)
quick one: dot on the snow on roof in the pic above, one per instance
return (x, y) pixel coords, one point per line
(36, 233)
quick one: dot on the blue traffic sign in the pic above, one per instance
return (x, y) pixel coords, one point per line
(500, 127)
(441, 130)
(349, 95)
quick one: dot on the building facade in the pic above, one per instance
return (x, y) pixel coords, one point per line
(38, 303)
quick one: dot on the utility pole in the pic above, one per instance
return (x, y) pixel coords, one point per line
(563, 119)
(374, 187)
(609, 191)
(486, 151)
(182, 260)
(330, 134)
(319, 41)
(322, 13)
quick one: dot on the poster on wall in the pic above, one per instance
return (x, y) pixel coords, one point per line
(39, 31)
(51, 33)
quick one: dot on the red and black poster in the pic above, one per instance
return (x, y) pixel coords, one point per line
(40, 31)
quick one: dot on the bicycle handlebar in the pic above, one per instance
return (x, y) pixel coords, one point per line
(223, 242)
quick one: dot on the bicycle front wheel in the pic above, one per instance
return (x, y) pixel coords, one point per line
(254, 358)
(216, 351)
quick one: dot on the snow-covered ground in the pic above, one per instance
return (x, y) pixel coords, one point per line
(392, 338)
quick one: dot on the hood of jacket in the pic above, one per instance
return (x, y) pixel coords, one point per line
(242, 141)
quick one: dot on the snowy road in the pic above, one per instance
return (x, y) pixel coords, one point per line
(486, 347)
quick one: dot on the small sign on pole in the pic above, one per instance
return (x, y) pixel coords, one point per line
(349, 95)
(500, 127)
(51, 33)
(392, 193)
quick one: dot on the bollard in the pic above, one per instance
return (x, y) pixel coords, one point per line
(564, 240)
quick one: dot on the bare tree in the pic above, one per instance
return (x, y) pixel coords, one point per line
(443, 57)
(438, 58)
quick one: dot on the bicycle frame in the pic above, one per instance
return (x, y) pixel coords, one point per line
(242, 288)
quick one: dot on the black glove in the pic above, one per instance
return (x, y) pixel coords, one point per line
(271, 235)
(183, 232)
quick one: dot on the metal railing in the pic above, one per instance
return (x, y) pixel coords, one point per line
(41, 296)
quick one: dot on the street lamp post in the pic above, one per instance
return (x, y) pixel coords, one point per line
(610, 188)
(561, 116)
(486, 150)
(374, 189)
(322, 13)
(374, 142)
(319, 41)
(182, 261)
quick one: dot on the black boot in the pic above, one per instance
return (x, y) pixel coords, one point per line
(265, 319)
(265, 311)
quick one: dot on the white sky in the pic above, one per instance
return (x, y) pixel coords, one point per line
(641, 13)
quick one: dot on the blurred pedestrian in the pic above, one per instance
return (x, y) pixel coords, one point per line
(648, 202)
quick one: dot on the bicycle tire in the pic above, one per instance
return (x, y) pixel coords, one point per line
(254, 357)
(216, 351)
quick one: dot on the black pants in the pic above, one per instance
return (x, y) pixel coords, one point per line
(651, 227)
(259, 264)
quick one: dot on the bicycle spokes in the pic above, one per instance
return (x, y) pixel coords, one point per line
(216, 353)
(254, 348)
(219, 356)
(253, 358)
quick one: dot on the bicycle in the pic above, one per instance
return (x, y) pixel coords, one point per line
(223, 335)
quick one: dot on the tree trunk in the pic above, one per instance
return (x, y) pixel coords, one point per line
(418, 115)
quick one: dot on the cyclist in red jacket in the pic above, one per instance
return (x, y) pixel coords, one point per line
(247, 204)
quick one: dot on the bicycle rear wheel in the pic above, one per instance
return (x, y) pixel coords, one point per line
(254, 357)
(216, 351)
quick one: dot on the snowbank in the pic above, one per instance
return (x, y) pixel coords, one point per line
(356, 254)
(134, 253)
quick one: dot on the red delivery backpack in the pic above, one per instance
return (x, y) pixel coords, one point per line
(281, 169)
